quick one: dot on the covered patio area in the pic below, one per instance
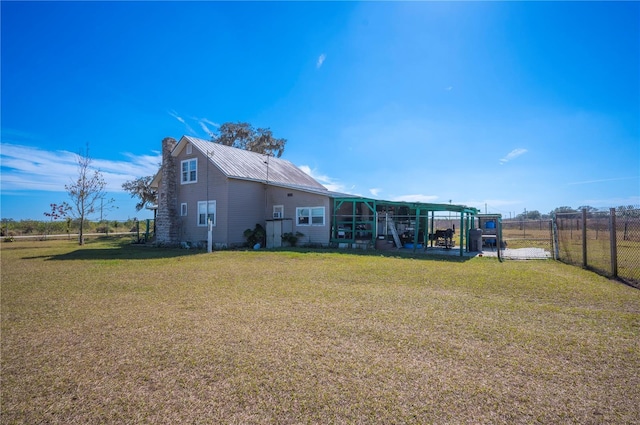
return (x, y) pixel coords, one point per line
(371, 223)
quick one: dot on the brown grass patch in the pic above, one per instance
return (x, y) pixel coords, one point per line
(120, 334)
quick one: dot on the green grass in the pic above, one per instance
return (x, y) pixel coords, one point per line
(114, 333)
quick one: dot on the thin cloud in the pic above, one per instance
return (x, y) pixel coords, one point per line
(603, 180)
(203, 125)
(29, 168)
(206, 121)
(328, 182)
(512, 155)
(449, 88)
(175, 115)
(375, 191)
(320, 61)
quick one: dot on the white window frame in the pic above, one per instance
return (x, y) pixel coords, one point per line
(305, 216)
(191, 175)
(211, 212)
(183, 209)
(189, 149)
(278, 209)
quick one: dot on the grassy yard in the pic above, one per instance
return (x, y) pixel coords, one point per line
(115, 333)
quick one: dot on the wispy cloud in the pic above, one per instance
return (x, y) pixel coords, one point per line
(320, 61)
(204, 124)
(175, 115)
(29, 168)
(328, 182)
(604, 180)
(512, 155)
(207, 121)
(375, 191)
(449, 88)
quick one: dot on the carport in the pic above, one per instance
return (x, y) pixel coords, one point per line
(371, 223)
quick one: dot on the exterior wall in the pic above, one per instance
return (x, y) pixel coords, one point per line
(192, 193)
(292, 199)
(245, 209)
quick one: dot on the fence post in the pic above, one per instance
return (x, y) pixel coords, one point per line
(554, 232)
(584, 238)
(613, 242)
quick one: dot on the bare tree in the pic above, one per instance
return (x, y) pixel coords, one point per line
(57, 211)
(86, 190)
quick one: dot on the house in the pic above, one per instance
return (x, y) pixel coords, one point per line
(235, 189)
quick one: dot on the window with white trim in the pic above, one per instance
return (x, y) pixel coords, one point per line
(189, 170)
(206, 210)
(310, 216)
(278, 211)
(183, 209)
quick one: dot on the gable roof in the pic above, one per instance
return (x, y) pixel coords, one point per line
(246, 165)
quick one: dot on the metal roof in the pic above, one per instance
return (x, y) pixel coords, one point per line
(246, 165)
(424, 206)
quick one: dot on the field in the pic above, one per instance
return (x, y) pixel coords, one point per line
(118, 333)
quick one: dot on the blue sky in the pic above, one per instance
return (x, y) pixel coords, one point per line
(503, 105)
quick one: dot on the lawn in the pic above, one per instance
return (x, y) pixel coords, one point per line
(118, 333)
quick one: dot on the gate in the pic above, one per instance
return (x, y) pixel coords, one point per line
(527, 239)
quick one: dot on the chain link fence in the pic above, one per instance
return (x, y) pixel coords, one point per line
(607, 242)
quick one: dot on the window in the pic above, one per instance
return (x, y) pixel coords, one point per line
(183, 210)
(189, 149)
(206, 210)
(313, 216)
(189, 171)
(278, 211)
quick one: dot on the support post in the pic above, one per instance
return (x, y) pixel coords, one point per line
(461, 233)
(210, 236)
(613, 242)
(416, 230)
(432, 226)
(584, 238)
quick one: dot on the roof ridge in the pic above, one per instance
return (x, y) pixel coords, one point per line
(247, 165)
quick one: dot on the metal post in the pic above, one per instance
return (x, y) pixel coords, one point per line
(554, 236)
(209, 232)
(432, 226)
(613, 242)
(461, 233)
(584, 238)
(416, 229)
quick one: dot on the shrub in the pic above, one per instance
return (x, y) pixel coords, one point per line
(291, 238)
(255, 235)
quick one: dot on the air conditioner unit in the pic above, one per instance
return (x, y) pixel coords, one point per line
(277, 214)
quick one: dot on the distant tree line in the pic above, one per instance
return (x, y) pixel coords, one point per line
(621, 211)
(10, 227)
